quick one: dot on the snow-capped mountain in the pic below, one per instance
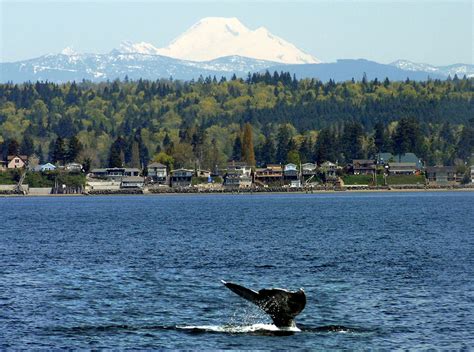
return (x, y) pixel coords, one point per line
(215, 37)
(129, 47)
(214, 46)
(449, 70)
(69, 66)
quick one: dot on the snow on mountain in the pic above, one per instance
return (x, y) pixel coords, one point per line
(69, 51)
(140, 48)
(99, 67)
(215, 37)
(450, 70)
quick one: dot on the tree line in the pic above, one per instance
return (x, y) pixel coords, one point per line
(265, 118)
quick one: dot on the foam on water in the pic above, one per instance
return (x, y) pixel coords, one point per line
(239, 329)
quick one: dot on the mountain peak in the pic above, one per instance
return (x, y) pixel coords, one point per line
(214, 37)
(69, 51)
(219, 20)
(129, 47)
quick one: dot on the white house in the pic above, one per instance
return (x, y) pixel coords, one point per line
(132, 182)
(73, 167)
(47, 167)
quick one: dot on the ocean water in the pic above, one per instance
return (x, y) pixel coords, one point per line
(380, 270)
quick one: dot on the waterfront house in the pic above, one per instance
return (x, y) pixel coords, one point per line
(270, 175)
(239, 167)
(290, 173)
(308, 172)
(329, 169)
(309, 169)
(132, 182)
(115, 173)
(442, 175)
(238, 175)
(181, 177)
(290, 170)
(158, 173)
(363, 167)
(203, 173)
(395, 168)
(386, 158)
(16, 161)
(46, 167)
(73, 167)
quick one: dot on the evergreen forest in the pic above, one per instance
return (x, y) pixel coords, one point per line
(265, 118)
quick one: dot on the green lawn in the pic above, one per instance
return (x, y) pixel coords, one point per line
(39, 179)
(406, 180)
(350, 180)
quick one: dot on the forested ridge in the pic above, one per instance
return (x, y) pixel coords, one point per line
(266, 118)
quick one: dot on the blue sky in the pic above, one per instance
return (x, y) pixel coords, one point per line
(436, 32)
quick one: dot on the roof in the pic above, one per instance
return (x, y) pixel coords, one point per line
(237, 163)
(157, 165)
(94, 171)
(132, 179)
(132, 169)
(180, 170)
(403, 158)
(274, 167)
(392, 165)
(22, 157)
(328, 163)
(362, 161)
(440, 169)
(309, 166)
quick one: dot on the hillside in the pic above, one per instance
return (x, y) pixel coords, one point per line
(202, 121)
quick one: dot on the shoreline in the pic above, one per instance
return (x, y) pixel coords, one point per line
(246, 192)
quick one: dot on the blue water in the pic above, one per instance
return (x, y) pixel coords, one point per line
(391, 270)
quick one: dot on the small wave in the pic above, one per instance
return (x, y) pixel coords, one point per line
(333, 328)
(239, 329)
(254, 329)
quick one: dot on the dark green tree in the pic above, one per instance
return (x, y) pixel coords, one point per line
(407, 137)
(381, 139)
(237, 149)
(351, 141)
(59, 154)
(283, 143)
(27, 146)
(117, 151)
(267, 154)
(465, 146)
(74, 149)
(13, 147)
(325, 148)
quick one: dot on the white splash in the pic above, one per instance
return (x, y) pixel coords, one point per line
(236, 329)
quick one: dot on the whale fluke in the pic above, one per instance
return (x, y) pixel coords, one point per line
(282, 305)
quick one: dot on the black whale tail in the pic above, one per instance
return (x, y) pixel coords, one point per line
(282, 305)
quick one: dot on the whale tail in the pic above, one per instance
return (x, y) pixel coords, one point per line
(282, 305)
